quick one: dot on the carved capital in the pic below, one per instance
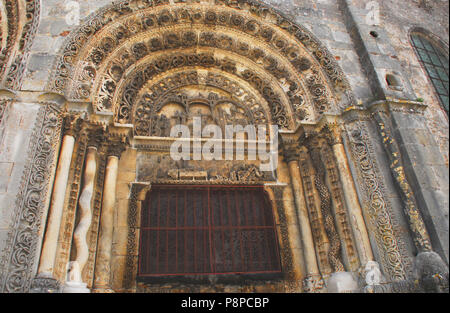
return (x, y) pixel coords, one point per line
(73, 125)
(332, 133)
(117, 145)
(45, 285)
(96, 137)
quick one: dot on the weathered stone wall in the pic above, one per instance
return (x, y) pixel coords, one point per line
(15, 142)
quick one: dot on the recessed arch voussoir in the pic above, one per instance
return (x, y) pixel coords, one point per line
(302, 67)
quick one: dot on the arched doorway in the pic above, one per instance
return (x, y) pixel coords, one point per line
(145, 67)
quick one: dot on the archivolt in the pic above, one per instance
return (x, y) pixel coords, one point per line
(117, 51)
(19, 21)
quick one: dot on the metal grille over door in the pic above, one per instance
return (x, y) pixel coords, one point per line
(207, 230)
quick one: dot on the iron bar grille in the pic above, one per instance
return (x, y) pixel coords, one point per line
(436, 64)
(206, 230)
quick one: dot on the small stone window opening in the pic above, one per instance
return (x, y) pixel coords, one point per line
(436, 63)
(194, 231)
(393, 82)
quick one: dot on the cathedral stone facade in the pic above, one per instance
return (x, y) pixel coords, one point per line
(92, 200)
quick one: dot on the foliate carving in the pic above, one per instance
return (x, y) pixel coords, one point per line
(313, 284)
(163, 169)
(332, 133)
(413, 215)
(378, 207)
(318, 92)
(277, 49)
(340, 209)
(286, 252)
(12, 16)
(19, 256)
(45, 285)
(30, 19)
(335, 252)
(130, 271)
(316, 219)
(73, 125)
(3, 107)
(96, 136)
(208, 60)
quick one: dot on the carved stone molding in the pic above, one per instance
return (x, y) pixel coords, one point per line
(137, 193)
(96, 136)
(340, 211)
(291, 150)
(45, 285)
(20, 255)
(332, 134)
(285, 253)
(394, 260)
(335, 252)
(316, 219)
(416, 224)
(68, 224)
(117, 145)
(73, 125)
(22, 27)
(123, 38)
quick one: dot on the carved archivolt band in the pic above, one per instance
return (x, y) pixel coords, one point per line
(97, 56)
(18, 261)
(19, 29)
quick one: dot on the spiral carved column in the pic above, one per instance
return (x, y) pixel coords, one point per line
(355, 212)
(74, 282)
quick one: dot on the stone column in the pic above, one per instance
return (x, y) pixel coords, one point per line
(102, 281)
(74, 282)
(294, 233)
(351, 198)
(50, 244)
(313, 281)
